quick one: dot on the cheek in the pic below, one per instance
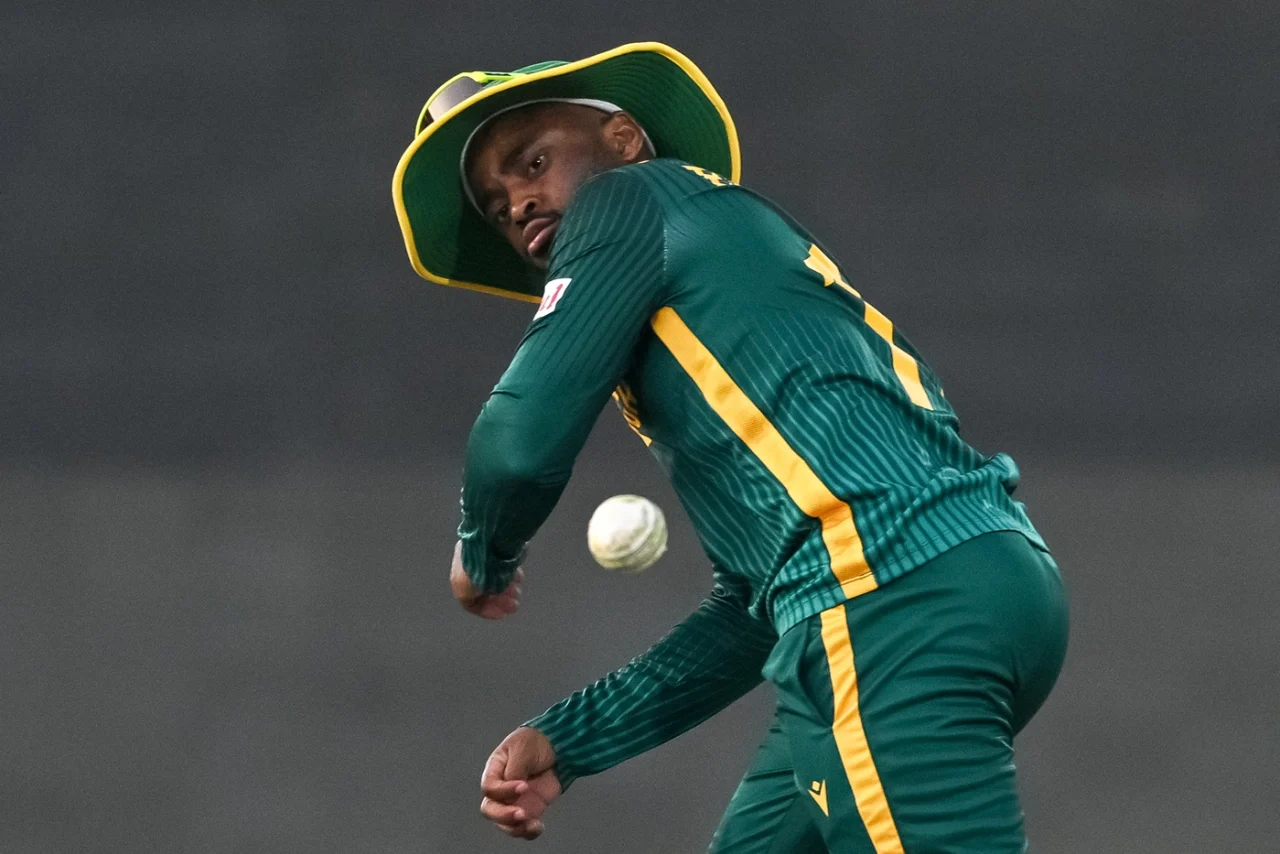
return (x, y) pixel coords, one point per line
(564, 182)
(558, 186)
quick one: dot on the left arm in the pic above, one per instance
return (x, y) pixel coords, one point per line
(704, 664)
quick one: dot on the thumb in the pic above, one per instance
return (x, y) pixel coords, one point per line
(530, 755)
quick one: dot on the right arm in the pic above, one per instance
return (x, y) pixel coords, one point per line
(609, 262)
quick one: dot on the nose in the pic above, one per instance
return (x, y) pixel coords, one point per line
(524, 208)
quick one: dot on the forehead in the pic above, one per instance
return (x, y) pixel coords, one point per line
(510, 130)
(506, 130)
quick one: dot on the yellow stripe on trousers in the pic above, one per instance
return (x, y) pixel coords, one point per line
(851, 738)
(744, 418)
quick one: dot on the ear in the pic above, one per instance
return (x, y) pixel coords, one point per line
(625, 138)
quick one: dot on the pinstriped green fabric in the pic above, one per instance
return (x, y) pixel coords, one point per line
(797, 349)
(705, 663)
(521, 450)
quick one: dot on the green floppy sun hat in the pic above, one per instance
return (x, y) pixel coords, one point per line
(448, 240)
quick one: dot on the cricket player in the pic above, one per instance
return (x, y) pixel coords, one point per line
(867, 562)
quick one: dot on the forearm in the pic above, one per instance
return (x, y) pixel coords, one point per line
(518, 462)
(701, 666)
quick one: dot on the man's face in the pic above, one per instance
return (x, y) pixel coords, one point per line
(525, 167)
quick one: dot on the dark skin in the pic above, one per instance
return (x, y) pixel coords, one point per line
(526, 166)
(524, 169)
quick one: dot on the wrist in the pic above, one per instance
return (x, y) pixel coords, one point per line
(563, 773)
(487, 572)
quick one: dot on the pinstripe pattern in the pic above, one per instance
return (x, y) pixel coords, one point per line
(519, 456)
(705, 663)
(814, 370)
(839, 530)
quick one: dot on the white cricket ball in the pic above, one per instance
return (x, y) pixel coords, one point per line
(627, 533)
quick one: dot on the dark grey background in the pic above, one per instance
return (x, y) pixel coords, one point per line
(231, 417)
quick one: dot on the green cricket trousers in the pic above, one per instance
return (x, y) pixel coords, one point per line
(897, 711)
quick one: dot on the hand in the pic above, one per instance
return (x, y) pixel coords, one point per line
(519, 783)
(491, 606)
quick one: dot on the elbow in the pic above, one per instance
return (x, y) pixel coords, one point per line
(517, 472)
(512, 459)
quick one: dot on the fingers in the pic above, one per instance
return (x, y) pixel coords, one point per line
(524, 830)
(520, 820)
(490, 611)
(495, 607)
(504, 791)
(489, 606)
(500, 813)
(512, 593)
(515, 805)
(493, 780)
(514, 588)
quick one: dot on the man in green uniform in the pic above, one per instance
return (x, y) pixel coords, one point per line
(866, 560)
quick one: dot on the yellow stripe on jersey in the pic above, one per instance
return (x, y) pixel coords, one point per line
(851, 737)
(744, 418)
(906, 367)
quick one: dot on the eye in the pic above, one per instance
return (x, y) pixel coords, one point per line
(501, 215)
(536, 164)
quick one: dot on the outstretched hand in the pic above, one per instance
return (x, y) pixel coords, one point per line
(491, 606)
(519, 783)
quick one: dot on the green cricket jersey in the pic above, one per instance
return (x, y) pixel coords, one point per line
(809, 443)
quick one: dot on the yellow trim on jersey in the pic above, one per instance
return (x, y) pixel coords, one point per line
(626, 400)
(904, 365)
(715, 179)
(744, 418)
(821, 263)
(397, 182)
(851, 737)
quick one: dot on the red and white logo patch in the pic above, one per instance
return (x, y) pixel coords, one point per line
(551, 296)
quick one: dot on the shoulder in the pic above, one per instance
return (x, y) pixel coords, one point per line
(650, 190)
(666, 178)
(613, 233)
(629, 185)
(614, 205)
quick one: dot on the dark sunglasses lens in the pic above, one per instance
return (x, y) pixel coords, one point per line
(453, 95)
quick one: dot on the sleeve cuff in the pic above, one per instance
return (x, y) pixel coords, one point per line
(565, 772)
(486, 570)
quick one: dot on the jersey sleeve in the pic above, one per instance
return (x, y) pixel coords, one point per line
(705, 663)
(606, 280)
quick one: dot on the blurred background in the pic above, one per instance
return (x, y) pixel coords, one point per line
(232, 418)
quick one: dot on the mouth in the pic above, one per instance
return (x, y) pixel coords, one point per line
(538, 234)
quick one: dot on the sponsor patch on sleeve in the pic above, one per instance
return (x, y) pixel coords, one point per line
(551, 296)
